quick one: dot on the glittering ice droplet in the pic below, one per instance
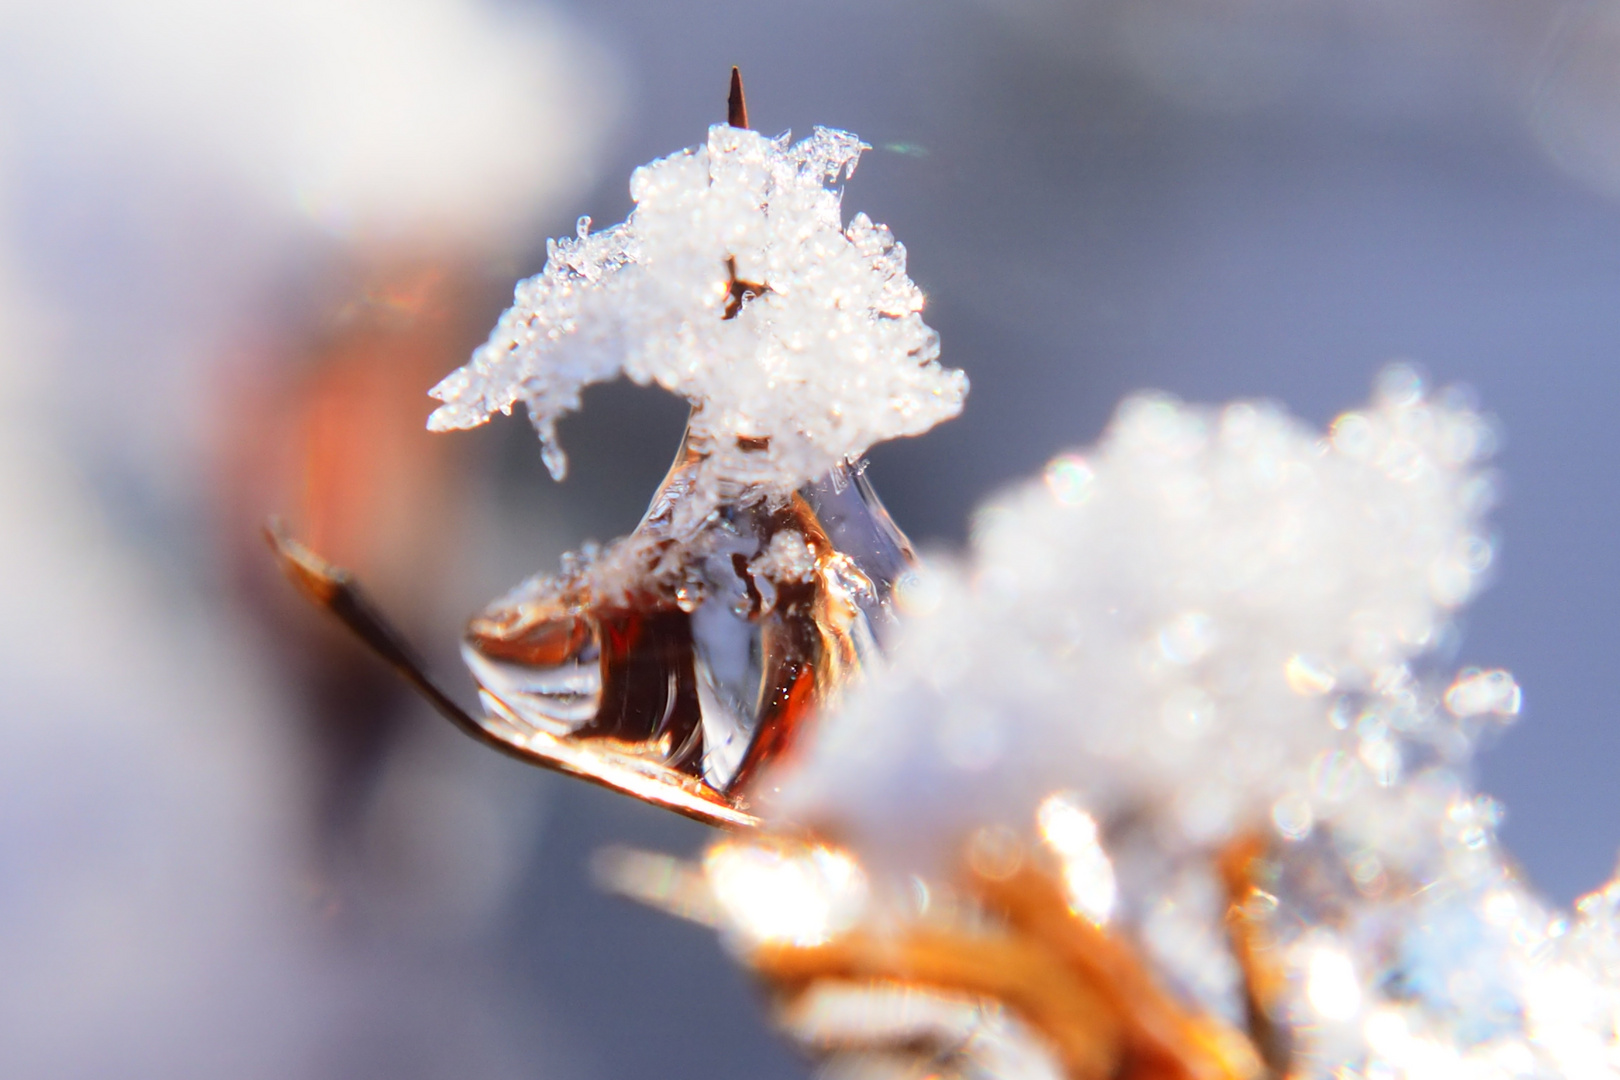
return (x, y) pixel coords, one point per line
(1088, 876)
(1069, 478)
(1476, 693)
(1293, 816)
(1309, 676)
(802, 895)
(1331, 984)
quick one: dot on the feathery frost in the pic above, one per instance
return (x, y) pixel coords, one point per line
(824, 352)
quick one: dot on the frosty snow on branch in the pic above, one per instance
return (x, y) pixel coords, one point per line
(1186, 676)
(734, 283)
(1167, 624)
(678, 662)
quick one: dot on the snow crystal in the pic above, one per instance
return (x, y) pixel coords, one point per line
(734, 283)
(1169, 625)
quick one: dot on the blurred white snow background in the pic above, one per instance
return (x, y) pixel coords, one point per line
(170, 170)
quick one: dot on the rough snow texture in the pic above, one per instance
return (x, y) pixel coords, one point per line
(1215, 623)
(1174, 623)
(832, 357)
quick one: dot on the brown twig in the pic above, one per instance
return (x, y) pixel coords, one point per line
(736, 104)
(610, 763)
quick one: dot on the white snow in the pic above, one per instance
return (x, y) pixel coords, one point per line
(828, 358)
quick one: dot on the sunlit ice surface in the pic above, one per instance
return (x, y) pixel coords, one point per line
(800, 895)
(870, 1029)
(1087, 873)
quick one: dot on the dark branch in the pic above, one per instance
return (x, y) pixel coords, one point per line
(334, 590)
(738, 290)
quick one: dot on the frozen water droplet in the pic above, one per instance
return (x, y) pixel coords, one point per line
(1069, 478)
(1477, 692)
(1309, 675)
(1331, 984)
(554, 459)
(688, 596)
(1088, 875)
(918, 593)
(1187, 638)
(1293, 817)
(1400, 385)
(1382, 756)
(1367, 871)
(1353, 436)
(707, 644)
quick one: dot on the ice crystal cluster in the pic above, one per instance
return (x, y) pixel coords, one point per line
(735, 283)
(1220, 623)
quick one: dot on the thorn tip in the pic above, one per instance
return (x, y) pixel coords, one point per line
(736, 104)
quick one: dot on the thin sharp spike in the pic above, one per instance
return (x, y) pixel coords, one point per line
(334, 590)
(736, 104)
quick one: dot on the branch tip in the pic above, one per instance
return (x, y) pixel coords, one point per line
(736, 104)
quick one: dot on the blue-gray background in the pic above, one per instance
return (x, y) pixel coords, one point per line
(1219, 199)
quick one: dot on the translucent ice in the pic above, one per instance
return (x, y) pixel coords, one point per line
(696, 657)
(735, 283)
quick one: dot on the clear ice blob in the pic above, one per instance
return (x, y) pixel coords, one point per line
(697, 655)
